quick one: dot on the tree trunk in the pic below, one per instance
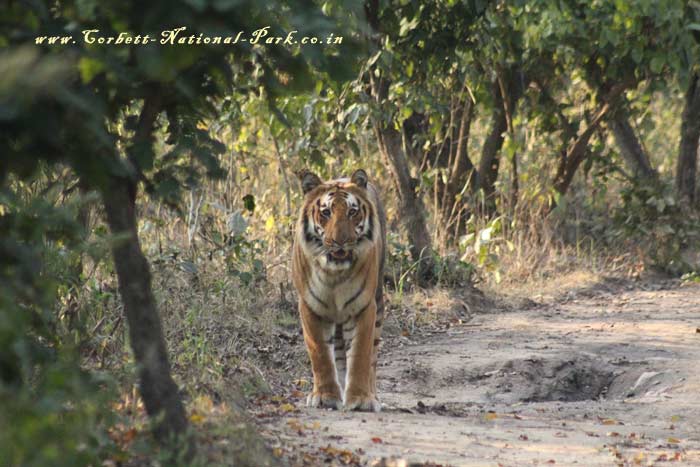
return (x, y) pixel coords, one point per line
(460, 173)
(576, 152)
(507, 90)
(488, 165)
(411, 208)
(636, 158)
(158, 390)
(574, 156)
(630, 148)
(688, 149)
(451, 157)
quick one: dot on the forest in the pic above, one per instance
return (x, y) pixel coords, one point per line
(538, 163)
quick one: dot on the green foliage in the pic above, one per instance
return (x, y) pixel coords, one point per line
(449, 270)
(485, 244)
(51, 410)
(653, 220)
(691, 278)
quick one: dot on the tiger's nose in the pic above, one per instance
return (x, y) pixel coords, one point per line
(336, 243)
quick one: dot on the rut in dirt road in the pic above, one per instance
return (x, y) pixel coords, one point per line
(605, 380)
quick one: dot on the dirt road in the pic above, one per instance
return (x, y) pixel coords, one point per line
(605, 378)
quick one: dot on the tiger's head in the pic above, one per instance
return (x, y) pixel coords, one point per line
(337, 220)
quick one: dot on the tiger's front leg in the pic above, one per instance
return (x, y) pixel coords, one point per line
(359, 338)
(318, 336)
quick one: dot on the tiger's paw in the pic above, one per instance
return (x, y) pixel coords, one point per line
(324, 400)
(363, 404)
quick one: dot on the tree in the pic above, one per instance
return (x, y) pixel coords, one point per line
(614, 46)
(420, 119)
(687, 165)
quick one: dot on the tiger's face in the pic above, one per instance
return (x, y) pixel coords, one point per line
(337, 219)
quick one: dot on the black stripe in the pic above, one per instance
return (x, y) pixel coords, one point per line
(338, 336)
(320, 279)
(305, 222)
(307, 235)
(354, 324)
(311, 239)
(363, 309)
(377, 323)
(377, 341)
(313, 311)
(311, 291)
(357, 294)
(370, 229)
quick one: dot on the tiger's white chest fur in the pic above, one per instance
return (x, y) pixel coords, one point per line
(337, 295)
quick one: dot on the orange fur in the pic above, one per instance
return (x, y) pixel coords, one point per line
(337, 266)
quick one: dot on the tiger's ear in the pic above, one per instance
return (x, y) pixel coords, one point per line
(309, 180)
(359, 178)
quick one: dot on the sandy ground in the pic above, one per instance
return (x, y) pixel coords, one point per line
(603, 377)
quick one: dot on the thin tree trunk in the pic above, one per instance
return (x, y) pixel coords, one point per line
(462, 172)
(631, 149)
(84, 221)
(159, 391)
(452, 158)
(488, 165)
(411, 209)
(636, 158)
(577, 150)
(576, 154)
(514, 187)
(688, 149)
(507, 90)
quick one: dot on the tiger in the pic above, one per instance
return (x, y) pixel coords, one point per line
(337, 269)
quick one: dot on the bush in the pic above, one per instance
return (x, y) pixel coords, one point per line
(651, 217)
(52, 412)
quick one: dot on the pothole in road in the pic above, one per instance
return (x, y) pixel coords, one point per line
(540, 380)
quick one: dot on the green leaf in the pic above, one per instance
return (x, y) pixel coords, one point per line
(249, 202)
(354, 147)
(406, 26)
(89, 68)
(657, 64)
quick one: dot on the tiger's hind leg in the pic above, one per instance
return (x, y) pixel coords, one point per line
(378, 323)
(340, 358)
(319, 336)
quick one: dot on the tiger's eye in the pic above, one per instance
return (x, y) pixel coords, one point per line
(326, 213)
(352, 212)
